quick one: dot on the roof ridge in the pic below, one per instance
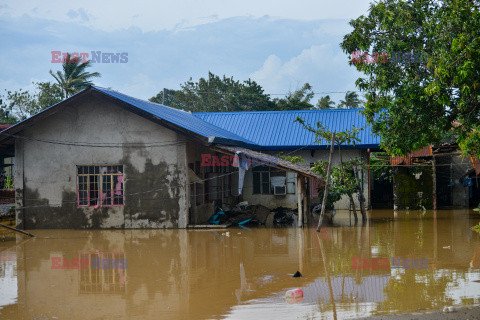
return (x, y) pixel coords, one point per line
(278, 111)
(147, 101)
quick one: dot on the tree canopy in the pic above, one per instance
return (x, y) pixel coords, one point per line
(21, 104)
(325, 103)
(433, 91)
(216, 93)
(351, 101)
(296, 100)
(73, 77)
(220, 94)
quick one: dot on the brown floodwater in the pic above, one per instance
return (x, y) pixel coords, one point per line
(245, 273)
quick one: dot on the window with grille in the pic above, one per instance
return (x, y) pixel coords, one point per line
(261, 179)
(100, 186)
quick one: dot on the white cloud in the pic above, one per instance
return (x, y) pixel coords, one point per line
(150, 15)
(323, 66)
(280, 54)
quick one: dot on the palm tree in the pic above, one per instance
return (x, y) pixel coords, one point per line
(325, 103)
(351, 100)
(74, 77)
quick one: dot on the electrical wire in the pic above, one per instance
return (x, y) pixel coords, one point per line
(268, 94)
(96, 145)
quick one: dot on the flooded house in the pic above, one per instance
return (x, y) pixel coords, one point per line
(435, 177)
(102, 159)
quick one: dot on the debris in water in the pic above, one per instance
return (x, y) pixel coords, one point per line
(447, 247)
(297, 275)
(448, 309)
(294, 293)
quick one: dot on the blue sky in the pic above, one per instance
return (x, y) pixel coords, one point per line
(279, 44)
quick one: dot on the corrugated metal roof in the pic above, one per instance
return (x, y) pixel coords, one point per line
(272, 161)
(258, 130)
(276, 130)
(424, 152)
(178, 117)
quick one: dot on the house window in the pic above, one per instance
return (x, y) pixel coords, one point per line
(100, 185)
(262, 179)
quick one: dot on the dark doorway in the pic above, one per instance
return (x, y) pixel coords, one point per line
(474, 191)
(382, 194)
(444, 181)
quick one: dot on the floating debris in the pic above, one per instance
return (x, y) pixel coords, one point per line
(449, 309)
(297, 275)
(294, 293)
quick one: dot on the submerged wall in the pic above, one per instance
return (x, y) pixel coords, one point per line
(46, 173)
(413, 188)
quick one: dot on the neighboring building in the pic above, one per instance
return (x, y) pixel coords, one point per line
(277, 133)
(435, 177)
(101, 159)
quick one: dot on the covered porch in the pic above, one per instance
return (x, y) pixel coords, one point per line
(217, 177)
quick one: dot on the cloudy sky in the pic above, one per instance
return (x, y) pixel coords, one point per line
(280, 44)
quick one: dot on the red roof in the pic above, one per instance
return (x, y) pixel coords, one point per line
(5, 126)
(407, 160)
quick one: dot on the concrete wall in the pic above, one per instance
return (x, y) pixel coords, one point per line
(290, 200)
(413, 188)
(46, 173)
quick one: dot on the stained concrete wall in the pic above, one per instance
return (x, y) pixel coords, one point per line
(45, 173)
(413, 188)
(290, 200)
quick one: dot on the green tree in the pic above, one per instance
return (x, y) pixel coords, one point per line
(351, 101)
(216, 94)
(73, 77)
(21, 104)
(5, 113)
(433, 90)
(344, 180)
(325, 103)
(165, 97)
(296, 100)
(48, 94)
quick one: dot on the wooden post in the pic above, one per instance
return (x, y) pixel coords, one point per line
(434, 176)
(369, 186)
(360, 191)
(325, 193)
(300, 200)
(307, 202)
(305, 206)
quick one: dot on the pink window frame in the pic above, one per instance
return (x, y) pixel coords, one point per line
(100, 191)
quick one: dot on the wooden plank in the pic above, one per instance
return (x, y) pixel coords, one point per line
(18, 230)
(209, 226)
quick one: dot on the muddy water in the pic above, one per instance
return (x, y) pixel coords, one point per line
(244, 274)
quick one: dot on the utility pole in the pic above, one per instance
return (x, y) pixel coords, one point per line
(163, 97)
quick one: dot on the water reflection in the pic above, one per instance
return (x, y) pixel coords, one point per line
(243, 274)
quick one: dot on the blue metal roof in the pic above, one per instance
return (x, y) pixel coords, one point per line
(181, 118)
(276, 130)
(258, 130)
